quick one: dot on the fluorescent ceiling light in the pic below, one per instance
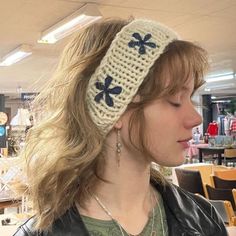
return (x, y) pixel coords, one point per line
(84, 16)
(217, 87)
(16, 55)
(222, 101)
(221, 77)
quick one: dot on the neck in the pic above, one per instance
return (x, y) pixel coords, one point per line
(127, 194)
(129, 182)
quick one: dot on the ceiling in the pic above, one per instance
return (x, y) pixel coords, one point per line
(210, 23)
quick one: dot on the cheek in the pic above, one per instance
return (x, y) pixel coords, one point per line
(159, 127)
(158, 137)
(163, 136)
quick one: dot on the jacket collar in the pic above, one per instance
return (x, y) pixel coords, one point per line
(188, 213)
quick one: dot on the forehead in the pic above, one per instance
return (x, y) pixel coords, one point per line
(189, 84)
(174, 84)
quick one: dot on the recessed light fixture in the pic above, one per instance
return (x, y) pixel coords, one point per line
(207, 89)
(16, 55)
(220, 77)
(218, 87)
(82, 17)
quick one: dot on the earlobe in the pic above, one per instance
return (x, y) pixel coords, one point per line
(136, 98)
(118, 124)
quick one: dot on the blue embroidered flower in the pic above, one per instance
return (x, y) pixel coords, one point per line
(141, 43)
(107, 91)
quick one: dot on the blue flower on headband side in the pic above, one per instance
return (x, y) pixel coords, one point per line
(105, 90)
(141, 43)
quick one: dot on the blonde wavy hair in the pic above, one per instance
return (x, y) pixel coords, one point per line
(63, 155)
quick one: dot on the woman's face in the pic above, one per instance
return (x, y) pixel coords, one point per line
(169, 123)
(168, 127)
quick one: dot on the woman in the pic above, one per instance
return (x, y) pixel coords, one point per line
(119, 100)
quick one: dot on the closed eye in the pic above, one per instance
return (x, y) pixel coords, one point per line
(174, 104)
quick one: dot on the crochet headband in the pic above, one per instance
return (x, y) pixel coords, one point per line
(127, 62)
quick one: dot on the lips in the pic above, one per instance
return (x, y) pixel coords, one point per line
(185, 140)
(185, 143)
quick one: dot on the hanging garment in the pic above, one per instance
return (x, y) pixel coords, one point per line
(212, 129)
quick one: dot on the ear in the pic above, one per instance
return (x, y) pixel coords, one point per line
(118, 124)
(136, 98)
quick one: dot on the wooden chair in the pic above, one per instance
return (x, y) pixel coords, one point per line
(230, 155)
(222, 183)
(205, 170)
(222, 194)
(225, 209)
(226, 174)
(190, 180)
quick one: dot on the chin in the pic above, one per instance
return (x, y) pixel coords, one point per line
(173, 161)
(179, 161)
(176, 164)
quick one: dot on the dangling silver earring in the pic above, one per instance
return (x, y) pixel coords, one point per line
(118, 146)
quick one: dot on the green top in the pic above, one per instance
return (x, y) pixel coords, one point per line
(98, 227)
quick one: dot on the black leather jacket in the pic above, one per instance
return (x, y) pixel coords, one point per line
(187, 215)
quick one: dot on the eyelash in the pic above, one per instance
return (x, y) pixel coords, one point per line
(179, 104)
(175, 104)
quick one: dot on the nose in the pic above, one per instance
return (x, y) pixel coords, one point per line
(192, 118)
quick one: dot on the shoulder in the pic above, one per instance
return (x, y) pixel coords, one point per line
(190, 212)
(183, 197)
(67, 223)
(27, 229)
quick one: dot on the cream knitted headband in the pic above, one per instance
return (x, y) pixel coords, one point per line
(127, 62)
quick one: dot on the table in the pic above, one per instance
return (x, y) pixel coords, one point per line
(212, 150)
(16, 219)
(231, 230)
(193, 151)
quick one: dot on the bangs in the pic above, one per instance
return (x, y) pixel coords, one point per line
(180, 62)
